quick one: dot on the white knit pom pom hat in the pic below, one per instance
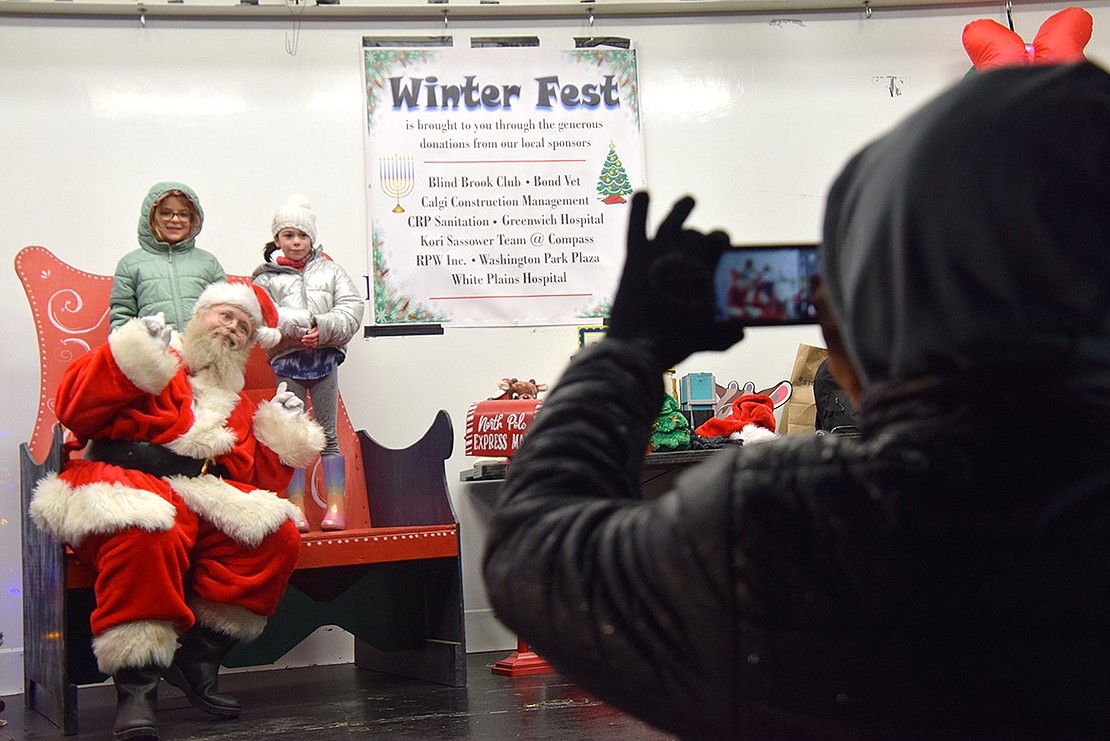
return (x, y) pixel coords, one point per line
(295, 212)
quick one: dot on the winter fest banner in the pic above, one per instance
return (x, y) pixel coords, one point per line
(497, 182)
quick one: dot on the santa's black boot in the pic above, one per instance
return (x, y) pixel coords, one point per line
(136, 703)
(196, 669)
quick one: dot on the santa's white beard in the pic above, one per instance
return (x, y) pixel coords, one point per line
(207, 353)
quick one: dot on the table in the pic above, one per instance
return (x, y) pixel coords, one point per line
(655, 465)
(658, 468)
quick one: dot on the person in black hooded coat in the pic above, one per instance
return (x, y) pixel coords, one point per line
(946, 574)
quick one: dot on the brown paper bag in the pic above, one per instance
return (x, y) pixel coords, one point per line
(799, 415)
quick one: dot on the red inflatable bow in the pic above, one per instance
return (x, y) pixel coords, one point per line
(1060, 39)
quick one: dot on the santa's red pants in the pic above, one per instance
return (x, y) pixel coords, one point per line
(146, 575)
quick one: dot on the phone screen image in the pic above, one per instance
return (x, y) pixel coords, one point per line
(767, 284)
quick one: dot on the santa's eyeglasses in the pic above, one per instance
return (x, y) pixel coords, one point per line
(237, 326)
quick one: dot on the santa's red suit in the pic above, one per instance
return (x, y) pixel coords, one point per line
(178, 546)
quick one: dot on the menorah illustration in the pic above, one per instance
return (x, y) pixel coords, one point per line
(397, 177)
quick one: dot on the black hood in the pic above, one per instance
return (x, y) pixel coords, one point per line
(976, 234)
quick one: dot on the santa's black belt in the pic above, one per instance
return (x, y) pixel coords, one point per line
(157, 460)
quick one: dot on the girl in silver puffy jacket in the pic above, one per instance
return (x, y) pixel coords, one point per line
(319, 311)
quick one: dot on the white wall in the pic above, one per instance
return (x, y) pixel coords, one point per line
(752, 114)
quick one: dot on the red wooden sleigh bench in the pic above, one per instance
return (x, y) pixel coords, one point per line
(393, 579)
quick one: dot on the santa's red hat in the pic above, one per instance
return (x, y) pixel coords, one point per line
(752, 418)
(251, 299)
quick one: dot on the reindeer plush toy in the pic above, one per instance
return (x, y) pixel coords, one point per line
(514, 388)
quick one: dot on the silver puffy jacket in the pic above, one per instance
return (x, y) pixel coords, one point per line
(323, 290)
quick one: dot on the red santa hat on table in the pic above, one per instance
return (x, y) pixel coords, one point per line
(251, 299)
(752, 419)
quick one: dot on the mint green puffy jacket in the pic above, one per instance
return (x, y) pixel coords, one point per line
(160, 276)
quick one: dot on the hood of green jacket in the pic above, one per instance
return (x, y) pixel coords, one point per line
(157, 192)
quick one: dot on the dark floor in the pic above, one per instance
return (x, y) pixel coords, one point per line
(333, 702)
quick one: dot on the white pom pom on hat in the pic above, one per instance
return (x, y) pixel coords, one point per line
(251, 299)
(296, 212)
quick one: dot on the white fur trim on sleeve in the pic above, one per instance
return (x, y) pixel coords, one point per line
(142, 358)
(296, 440)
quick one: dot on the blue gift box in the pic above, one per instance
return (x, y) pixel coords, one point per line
(697, 390)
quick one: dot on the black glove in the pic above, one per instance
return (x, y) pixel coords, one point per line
(665, 299)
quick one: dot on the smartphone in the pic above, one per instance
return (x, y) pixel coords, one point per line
(767, 285)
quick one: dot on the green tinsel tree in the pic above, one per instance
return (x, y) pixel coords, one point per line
(671, 429)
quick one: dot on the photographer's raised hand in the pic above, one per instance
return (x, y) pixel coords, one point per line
(665, 298)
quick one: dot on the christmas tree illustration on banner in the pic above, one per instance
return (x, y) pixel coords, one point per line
(613, 183)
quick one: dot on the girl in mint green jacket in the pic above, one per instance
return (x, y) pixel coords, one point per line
(168, 271)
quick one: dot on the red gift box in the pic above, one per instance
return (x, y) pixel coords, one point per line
(495, 427)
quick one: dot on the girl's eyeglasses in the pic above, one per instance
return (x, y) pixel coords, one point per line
(182, 216)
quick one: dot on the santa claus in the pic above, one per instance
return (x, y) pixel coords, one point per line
(173, 502)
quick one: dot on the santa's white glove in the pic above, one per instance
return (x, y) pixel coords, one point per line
(286, 402)
(156, 327)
